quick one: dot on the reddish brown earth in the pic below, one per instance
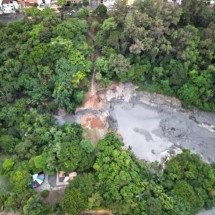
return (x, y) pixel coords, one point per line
(93, 102)
(92, 121)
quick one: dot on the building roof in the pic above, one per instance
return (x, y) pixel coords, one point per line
(37, 179)
(30, 1)
(6, 2)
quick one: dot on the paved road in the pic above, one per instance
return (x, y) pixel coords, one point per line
(11, 18)
(207, 212)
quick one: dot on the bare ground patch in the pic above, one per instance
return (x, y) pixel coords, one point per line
(54, 196)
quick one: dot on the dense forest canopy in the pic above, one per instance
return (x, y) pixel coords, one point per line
(45, 65)
(162, 48)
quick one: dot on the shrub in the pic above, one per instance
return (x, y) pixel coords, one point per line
(101, 10)
(82, 13)
(45, 193)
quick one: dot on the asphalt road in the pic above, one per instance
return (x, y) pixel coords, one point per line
(11, 17)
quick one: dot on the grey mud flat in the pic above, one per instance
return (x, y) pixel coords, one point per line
(151, 131)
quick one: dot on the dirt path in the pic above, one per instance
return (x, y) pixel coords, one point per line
(97, 212)
(91, 35)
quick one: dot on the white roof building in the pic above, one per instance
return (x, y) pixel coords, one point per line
(8, 6)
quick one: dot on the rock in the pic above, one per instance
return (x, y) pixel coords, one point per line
(115, 91)
(204, 117)
(158, 100)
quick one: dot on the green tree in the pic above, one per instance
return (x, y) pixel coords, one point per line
(48, 12)
(22, 198)
(33, 11)
(85, 183)
(73, 202)
(87, 146)
(7, 143)
(63, 92)
(10, 203)
(85, 3)
(118, 174)
(20, 180)
(82, 13)
(109, 24)
(72, 156)
(45, 35)
(35, 206)
(120, 65)
(3, 199)
(61, 3)
(196, 12)
(45, 193)
(7, 166)
(189, 176)
(186, 192)
(102, 67)
(101, 10)
(154, 206)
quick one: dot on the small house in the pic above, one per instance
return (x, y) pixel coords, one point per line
(9, 6)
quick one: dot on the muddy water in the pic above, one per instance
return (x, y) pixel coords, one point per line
(138, 126)
(154, 133)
